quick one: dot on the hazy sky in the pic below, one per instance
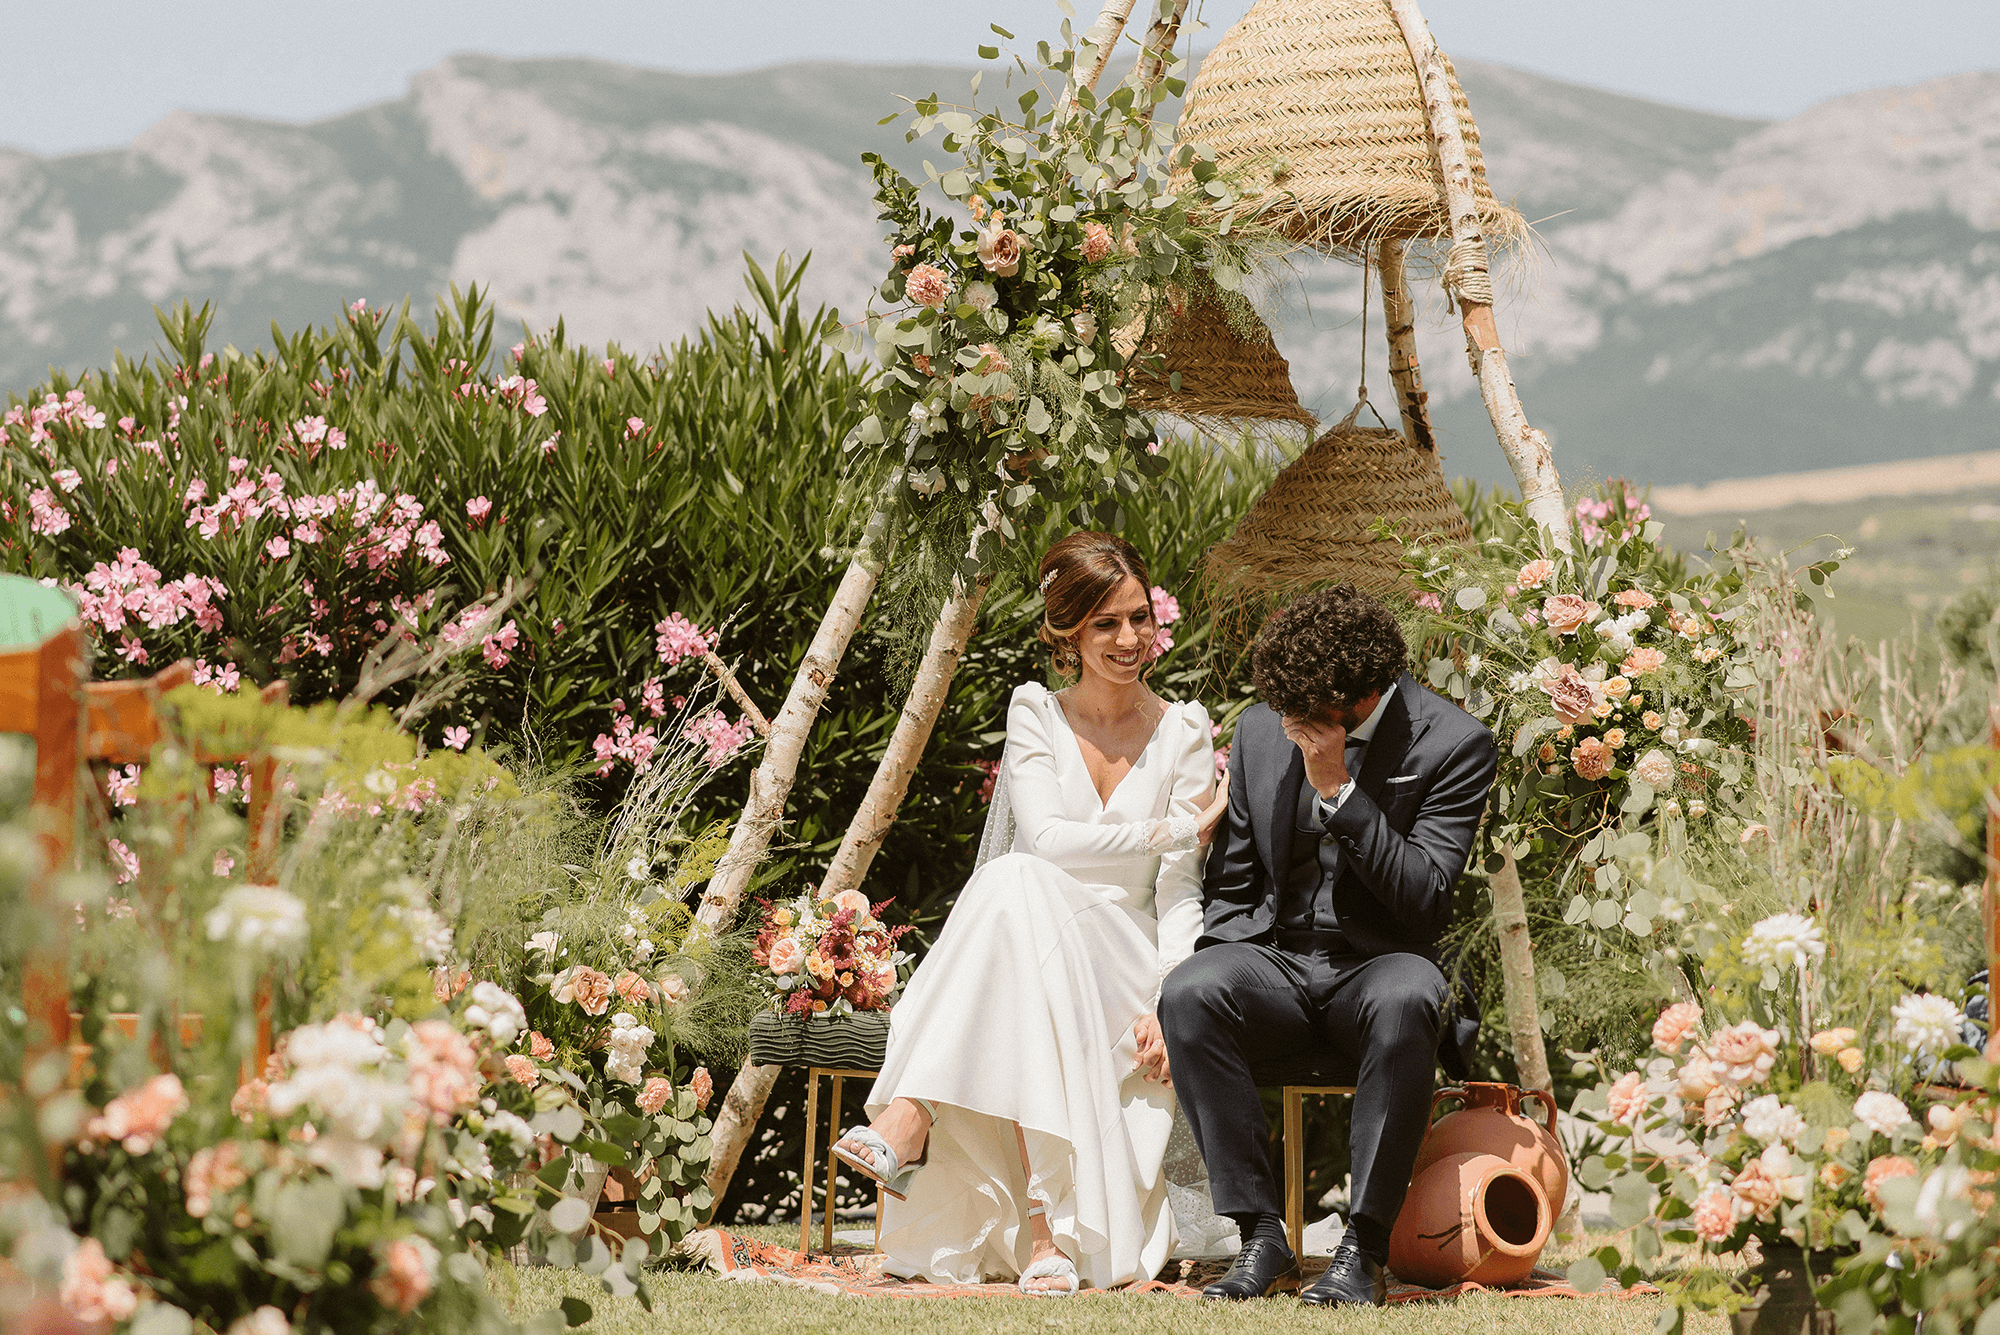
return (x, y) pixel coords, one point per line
(93, 73)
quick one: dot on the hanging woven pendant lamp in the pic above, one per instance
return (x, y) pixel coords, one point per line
(1327, 90)
(1218, 368)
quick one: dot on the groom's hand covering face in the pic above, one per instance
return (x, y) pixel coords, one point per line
(1322, 739)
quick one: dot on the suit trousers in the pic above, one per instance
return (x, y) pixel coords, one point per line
(1234, 1007)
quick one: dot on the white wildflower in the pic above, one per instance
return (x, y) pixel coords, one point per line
(1884, 1114)
(1926, 1023)
(262, 918)
(497, 1011)
(1784, 940)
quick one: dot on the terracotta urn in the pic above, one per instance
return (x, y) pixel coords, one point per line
(1470, 1217)
(1494, 1119)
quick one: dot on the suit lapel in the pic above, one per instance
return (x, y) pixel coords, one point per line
(1271, 807)
(1403, 722)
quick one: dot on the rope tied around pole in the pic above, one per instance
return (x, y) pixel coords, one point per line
(1466, 277)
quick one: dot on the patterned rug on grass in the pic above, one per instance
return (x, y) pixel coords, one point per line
(856, 1270)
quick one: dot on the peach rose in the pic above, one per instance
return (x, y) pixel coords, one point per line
(1883, 1168)
(787, 955)
(1676, 1022)
(1697, 1078)
(701, 1085)
(633, 988)
(1617, 688)
(1096, 242)
(1572, 696)
(1745, 1052)
(1535, 574)
(1643, 660)
(927, 286)
(655, 1095)
(999, 251)
(1651, 718)
(1565, 612)
(523, 1070)
(539, 1047)
(1635, 598)
(1714, 1215)
(1626, 1098)
(673, 989)
(1833, 1174)
(853, 901)
(1655, 769)
(585, 986)
(1615, 739)
(406, 1274)
(1591, 757)
(1850, 1059)
(1757, 1190)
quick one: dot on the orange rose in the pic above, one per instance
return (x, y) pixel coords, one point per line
(1592, 759)
(633, 988)
(584, 986)
(1535, 574)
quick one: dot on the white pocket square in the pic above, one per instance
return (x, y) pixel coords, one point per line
(1404, 778)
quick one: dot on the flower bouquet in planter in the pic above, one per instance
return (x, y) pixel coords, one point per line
(831, 970)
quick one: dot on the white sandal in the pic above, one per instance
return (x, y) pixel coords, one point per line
(895, 1177)
(1049, 1267)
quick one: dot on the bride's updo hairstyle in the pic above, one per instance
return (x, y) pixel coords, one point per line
(1077, 574)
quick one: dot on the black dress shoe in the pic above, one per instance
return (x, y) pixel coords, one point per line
(1352, 1280)
(1262, 1267)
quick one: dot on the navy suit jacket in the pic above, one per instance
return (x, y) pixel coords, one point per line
(1404, 832)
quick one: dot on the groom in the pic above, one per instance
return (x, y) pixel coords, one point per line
(1353, 798)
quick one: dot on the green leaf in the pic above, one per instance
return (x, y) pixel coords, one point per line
(1585, 1276)
(575, 1311)
(304, 1220)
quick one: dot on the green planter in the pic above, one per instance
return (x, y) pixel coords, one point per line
(1781, 1289)
(845, 1042)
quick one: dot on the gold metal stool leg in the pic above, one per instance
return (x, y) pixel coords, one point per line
(832, 1133)
(811, 1169)
(1295, 1173)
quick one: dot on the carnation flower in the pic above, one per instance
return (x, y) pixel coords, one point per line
(991, 361)
(1676, 1022)
(1655, 769)
(443, 1069)
(539, 1047)
(1534, 574)
(1714, 1215)
(1771, 1121)
(701, 1086)
(1883, 1168)
(1784, 940)
(1633, 598)
(999, 250)
(213, 1169)
(1745, 1053)
(406, 1275)
(523, 1070)
(1850, 1059)
(981, 296)
(1626, 1098)
(927, 286)
(1882, 1113)
(655, 1095)
(1643, 660)
(1926, 1022)
(1591, 758)
(633, 988)
(1566, 612)
(1096, 242)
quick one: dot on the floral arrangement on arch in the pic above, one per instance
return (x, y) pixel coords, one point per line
(1739, 1131)
(1018, 328)
(829, 955)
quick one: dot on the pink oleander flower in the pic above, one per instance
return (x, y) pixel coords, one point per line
(654, 1096)
(138, 1118)
(1221, 762)
(478, 508)
(999, 250)
(701, 1085)
(406, 1275)
(1096, 242)
(443, 1069)
(1163, 640)
(1883, 1168)
(991, 768)
(1573, 696)
(1535, 574)
(1626, 1098)
(1674, 1026)
(635, 427)
(523, 1070)
(1430, 601)
(1566, 612)
(632, 987)
(1745, 1053)
(1643, 660)
(585, 987)
(1166, 607)
(1714, 1215)
(91, 1291)
(679, 638)
(722, 738)
(67, 478)
(496, 647)
(927, 286)
(539, 1047)
(456, 738)
(1591, 759)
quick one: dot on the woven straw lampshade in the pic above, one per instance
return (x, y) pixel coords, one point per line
(1328, 88)
(1311, 529)
(1231, 371)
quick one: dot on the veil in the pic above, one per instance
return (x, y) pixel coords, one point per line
(998, 837)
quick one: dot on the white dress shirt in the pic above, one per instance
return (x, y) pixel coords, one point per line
(1363, 733)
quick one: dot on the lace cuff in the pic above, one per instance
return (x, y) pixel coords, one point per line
(1174, 834)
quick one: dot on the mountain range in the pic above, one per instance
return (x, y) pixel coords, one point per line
(1703, 296)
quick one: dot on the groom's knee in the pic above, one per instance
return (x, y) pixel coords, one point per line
(1405, 994)
(1196, 994)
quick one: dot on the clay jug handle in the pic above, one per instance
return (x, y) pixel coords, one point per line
(1448, 1092)
(1548, 1101)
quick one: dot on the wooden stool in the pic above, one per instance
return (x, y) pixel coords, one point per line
(839, 1076)
(1295, 1158)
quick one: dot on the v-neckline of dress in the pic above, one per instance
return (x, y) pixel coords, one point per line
(1103, 802)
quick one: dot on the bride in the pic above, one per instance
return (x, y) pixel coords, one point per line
(1024, 1103)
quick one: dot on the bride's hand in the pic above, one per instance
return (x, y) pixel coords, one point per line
(1152, 1049)
(1211, 815)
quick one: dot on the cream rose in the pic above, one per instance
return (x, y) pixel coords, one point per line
(1565, 612)
(1655, 769)
(1571, 694)
(1000, 251)
(787, 955)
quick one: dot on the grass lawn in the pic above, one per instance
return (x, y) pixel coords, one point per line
(698, 1301)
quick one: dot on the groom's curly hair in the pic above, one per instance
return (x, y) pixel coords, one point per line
(1327, 649)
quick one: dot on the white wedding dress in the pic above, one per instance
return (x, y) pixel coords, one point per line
(1022, 1013)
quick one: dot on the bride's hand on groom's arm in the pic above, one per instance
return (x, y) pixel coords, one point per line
(1152, 1048)
(1212, 814)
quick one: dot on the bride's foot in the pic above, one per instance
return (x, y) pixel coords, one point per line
(892, 1147)
(1050, 1274)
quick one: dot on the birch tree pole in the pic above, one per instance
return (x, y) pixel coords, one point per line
(1468, 280)
(1399, 314)
(744, 1103)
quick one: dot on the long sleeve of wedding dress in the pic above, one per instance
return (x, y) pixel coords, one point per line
(1022, 1014)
